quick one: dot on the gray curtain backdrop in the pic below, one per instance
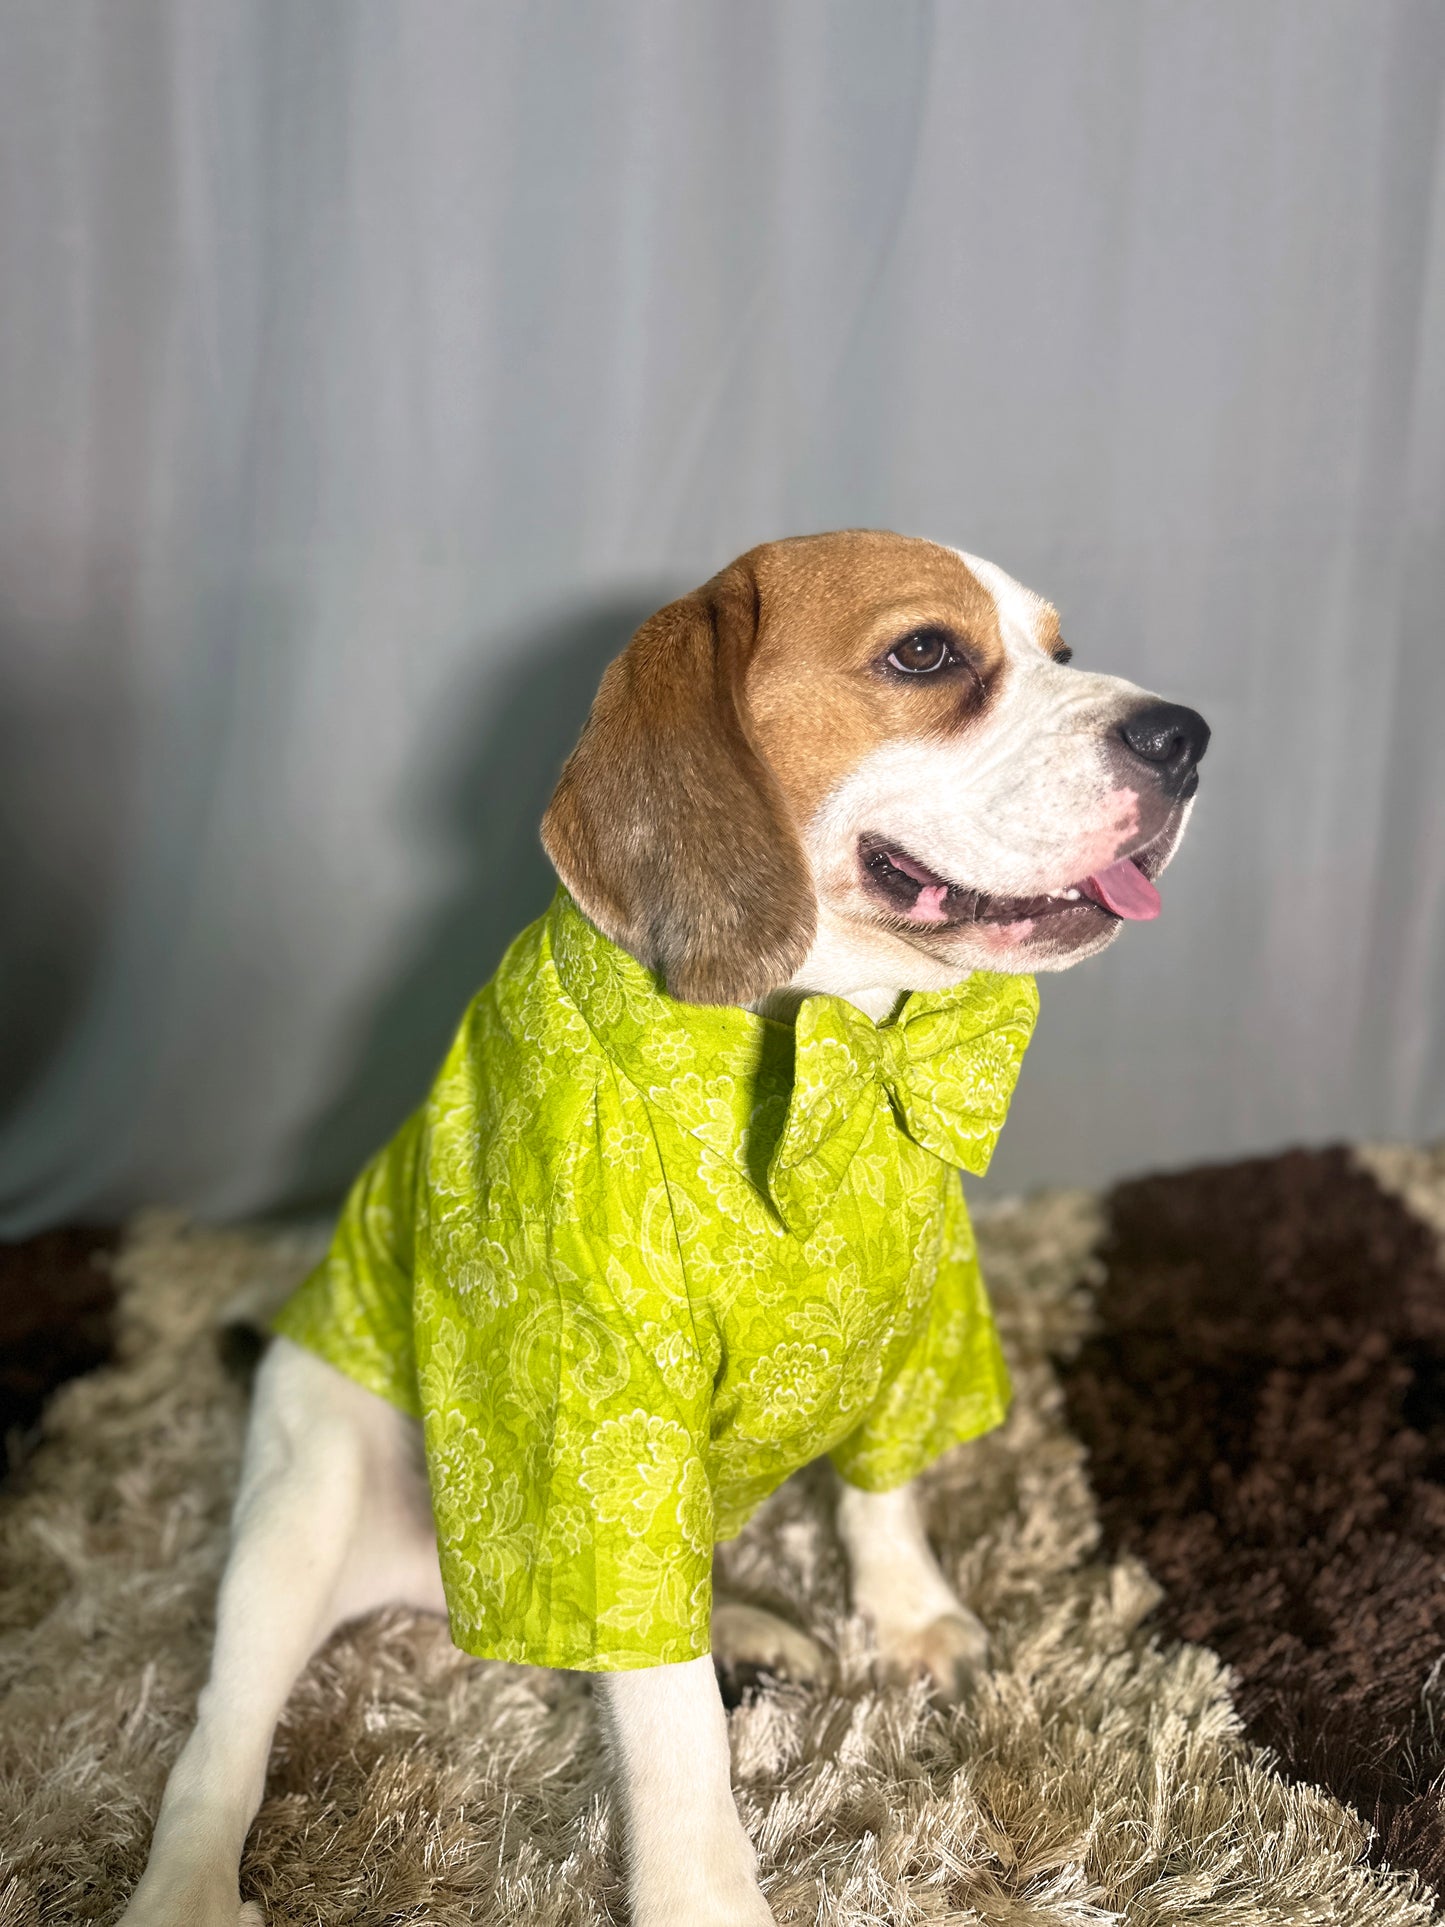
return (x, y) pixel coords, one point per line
(367, 371)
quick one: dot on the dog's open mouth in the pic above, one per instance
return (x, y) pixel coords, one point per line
(919, 895)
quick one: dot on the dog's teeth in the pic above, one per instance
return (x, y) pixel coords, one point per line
(1071, 895)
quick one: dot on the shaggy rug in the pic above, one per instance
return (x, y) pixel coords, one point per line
(1109, 1767)
(56, 1301)
(1264, 1405)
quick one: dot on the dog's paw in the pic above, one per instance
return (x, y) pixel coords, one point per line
(750, 1645)
(199, 1901)
(734, 1903)
(225, 1913)
(949, 1652)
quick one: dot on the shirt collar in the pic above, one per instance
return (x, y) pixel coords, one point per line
(948, 1059)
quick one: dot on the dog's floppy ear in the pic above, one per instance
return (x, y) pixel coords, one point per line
(668, 827)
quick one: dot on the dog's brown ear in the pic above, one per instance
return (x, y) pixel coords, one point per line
(667, 826)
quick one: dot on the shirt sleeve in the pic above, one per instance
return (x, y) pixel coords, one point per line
(951, 1383)
(354, 1310)
(566, 1400)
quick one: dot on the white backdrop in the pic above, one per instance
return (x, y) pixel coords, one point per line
(367, 370)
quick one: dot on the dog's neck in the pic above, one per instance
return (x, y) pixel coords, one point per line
(872, 969)
(875, 1002)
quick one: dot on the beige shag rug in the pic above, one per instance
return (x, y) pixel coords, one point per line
(1098, 1776)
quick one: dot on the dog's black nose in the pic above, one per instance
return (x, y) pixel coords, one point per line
(1171, 739)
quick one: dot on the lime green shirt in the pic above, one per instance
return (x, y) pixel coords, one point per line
(634, 1261)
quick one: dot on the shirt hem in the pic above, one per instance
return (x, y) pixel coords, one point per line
(891, 1480)
(568, 1660)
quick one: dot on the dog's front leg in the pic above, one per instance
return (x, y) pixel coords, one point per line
(690, 1863)
(919, 1623)
(321, 1532)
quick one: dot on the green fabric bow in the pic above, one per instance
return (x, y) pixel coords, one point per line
(947, 1066)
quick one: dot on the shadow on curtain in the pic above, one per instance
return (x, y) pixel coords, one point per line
(488, 809)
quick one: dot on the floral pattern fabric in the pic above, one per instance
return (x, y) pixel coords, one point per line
(635, 1261)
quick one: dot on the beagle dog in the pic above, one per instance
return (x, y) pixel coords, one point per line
(857, 764)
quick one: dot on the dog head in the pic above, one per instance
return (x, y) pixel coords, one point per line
(862, 761)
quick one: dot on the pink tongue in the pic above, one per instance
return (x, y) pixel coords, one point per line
(1124, 889)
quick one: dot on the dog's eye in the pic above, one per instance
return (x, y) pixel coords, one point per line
(923, 653)
(1063, 653)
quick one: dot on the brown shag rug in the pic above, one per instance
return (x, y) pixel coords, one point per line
(1105, 1771)
(56, 1307)
(1263, 1401)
